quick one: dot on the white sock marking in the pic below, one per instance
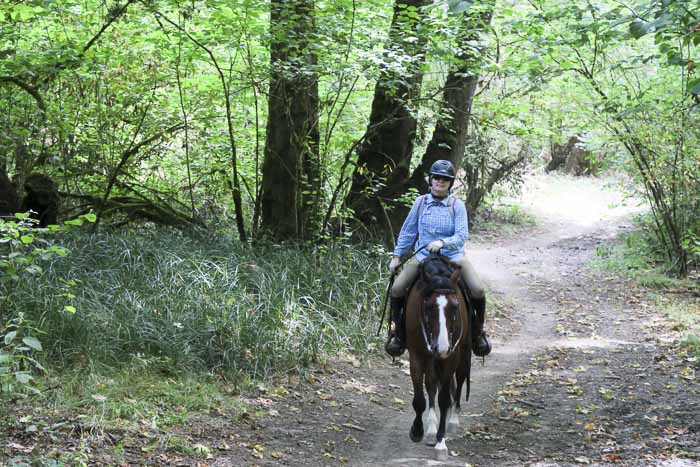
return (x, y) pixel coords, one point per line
(431, 422)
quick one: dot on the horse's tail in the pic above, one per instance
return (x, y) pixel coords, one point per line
(470, 323)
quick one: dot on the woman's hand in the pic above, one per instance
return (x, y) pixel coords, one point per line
(395, 262)
(435, 246)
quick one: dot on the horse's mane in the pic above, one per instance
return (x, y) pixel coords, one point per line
(435, 273)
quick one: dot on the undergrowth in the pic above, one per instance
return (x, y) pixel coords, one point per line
(186, 303)
(638, 257)
(501, 218)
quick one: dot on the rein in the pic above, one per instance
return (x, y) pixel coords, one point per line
(391, 283)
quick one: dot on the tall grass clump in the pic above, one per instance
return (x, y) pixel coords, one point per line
(187, 302)
(640, 255)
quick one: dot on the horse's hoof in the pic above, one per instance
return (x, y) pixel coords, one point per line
(441, 455)
(416, 435)
(441, 450)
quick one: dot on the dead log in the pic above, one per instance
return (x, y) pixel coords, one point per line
(137, 208)
(573, 158)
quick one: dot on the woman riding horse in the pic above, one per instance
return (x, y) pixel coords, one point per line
(438, 221)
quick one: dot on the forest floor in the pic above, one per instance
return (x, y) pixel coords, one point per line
(586, 370)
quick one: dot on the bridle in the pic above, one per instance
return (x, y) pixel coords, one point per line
(425, 322)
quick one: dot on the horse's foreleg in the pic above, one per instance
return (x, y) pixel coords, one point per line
(431, 419)
(444, 402)
(416, 432)
(455, 409)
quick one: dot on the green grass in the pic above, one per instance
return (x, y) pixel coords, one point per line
(686, 319)
(125, 399)
(132, 404)
(502, 218)
(202, 304)
(636, 258)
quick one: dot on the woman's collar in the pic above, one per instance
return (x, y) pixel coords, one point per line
(434, 199)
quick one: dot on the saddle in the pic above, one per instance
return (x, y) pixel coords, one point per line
(434, 273)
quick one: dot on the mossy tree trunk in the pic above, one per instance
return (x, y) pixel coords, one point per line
(384, 158)
(290, 183)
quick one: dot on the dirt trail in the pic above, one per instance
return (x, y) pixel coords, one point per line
(563, 242)
(582, 372)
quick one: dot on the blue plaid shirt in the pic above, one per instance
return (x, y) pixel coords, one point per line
(437, 222)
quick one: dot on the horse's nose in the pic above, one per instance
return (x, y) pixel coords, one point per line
(439, 349)
(437, 352)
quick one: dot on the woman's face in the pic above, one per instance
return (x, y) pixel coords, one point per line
(439, 186)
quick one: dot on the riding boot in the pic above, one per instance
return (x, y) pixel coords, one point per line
(480, 343)
(396, 344)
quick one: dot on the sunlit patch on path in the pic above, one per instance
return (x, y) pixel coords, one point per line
(591, 343)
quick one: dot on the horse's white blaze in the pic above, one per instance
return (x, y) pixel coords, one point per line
(431, 422)
(443, 343)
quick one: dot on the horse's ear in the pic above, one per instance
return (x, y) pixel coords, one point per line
(454, 278)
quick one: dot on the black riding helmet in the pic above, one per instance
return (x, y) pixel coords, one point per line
(443, 168)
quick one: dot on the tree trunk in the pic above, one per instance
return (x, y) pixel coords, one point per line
(290, 184)
(451, 129)
(384, 158)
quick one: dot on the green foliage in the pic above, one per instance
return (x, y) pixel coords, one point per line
(631, 97)
(186, 303)
(20, 252)
(18, 347)
(23, 249)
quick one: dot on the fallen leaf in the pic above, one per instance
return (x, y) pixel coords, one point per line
(607, 394)
(687, 373)
(20, 448)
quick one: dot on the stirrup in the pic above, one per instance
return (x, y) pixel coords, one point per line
(482, 346)
(394, 347)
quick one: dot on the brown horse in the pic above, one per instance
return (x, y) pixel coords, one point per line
(438, 340)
